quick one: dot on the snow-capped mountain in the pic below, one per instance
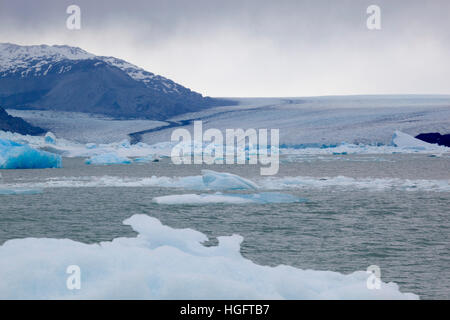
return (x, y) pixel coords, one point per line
(71, 79)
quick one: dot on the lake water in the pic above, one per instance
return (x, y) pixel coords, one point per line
(389, 210)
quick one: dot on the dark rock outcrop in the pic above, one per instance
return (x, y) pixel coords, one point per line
(436, 138)
(16, 124)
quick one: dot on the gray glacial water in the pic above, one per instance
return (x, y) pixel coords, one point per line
(398, 222)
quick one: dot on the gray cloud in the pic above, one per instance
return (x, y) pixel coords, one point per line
(255, 47)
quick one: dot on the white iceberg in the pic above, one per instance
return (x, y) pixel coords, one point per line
(14, 155)
(235, 198)
(166, 263)
(107, 159)
(403, 140)
(226, 181)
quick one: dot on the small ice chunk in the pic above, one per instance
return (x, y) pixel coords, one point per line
(91, 146)
(145, 159)
(50, 138)
(107, 159)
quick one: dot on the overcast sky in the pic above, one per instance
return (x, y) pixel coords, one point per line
(255, 47)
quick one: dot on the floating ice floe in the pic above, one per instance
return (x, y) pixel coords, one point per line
(166, 263)
(226, 181)
(7, 192)
(14, 155)
(268, 183)
(402, 143)
(258, 198)
(371, 184)
(107, 159)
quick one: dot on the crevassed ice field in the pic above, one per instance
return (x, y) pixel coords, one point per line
(354, 189)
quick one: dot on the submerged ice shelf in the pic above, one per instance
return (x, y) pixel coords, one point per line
(8, 192)
(234, 198)
(166, 263)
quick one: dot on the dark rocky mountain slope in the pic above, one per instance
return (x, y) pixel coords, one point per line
(15, 124)
(71, 79)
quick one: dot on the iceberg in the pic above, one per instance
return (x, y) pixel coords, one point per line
(50, 138)
(403, 140)
(166, 263)
(226, 181)
(107, 159)
(14, 155)
(199, 199)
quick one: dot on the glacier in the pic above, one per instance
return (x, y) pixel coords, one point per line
(166, 263)
(14, 155)
(234, 198)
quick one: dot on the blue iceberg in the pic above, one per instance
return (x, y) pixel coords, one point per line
(146, 159)
(14, 155)
(107, 159)
(50, 138)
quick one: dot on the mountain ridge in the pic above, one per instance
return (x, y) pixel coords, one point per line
(16, 124)
(68, 78)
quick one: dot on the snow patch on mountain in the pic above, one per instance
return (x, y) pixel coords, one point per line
(38, 60)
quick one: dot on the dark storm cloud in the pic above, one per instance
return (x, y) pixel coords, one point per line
(255, 47)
